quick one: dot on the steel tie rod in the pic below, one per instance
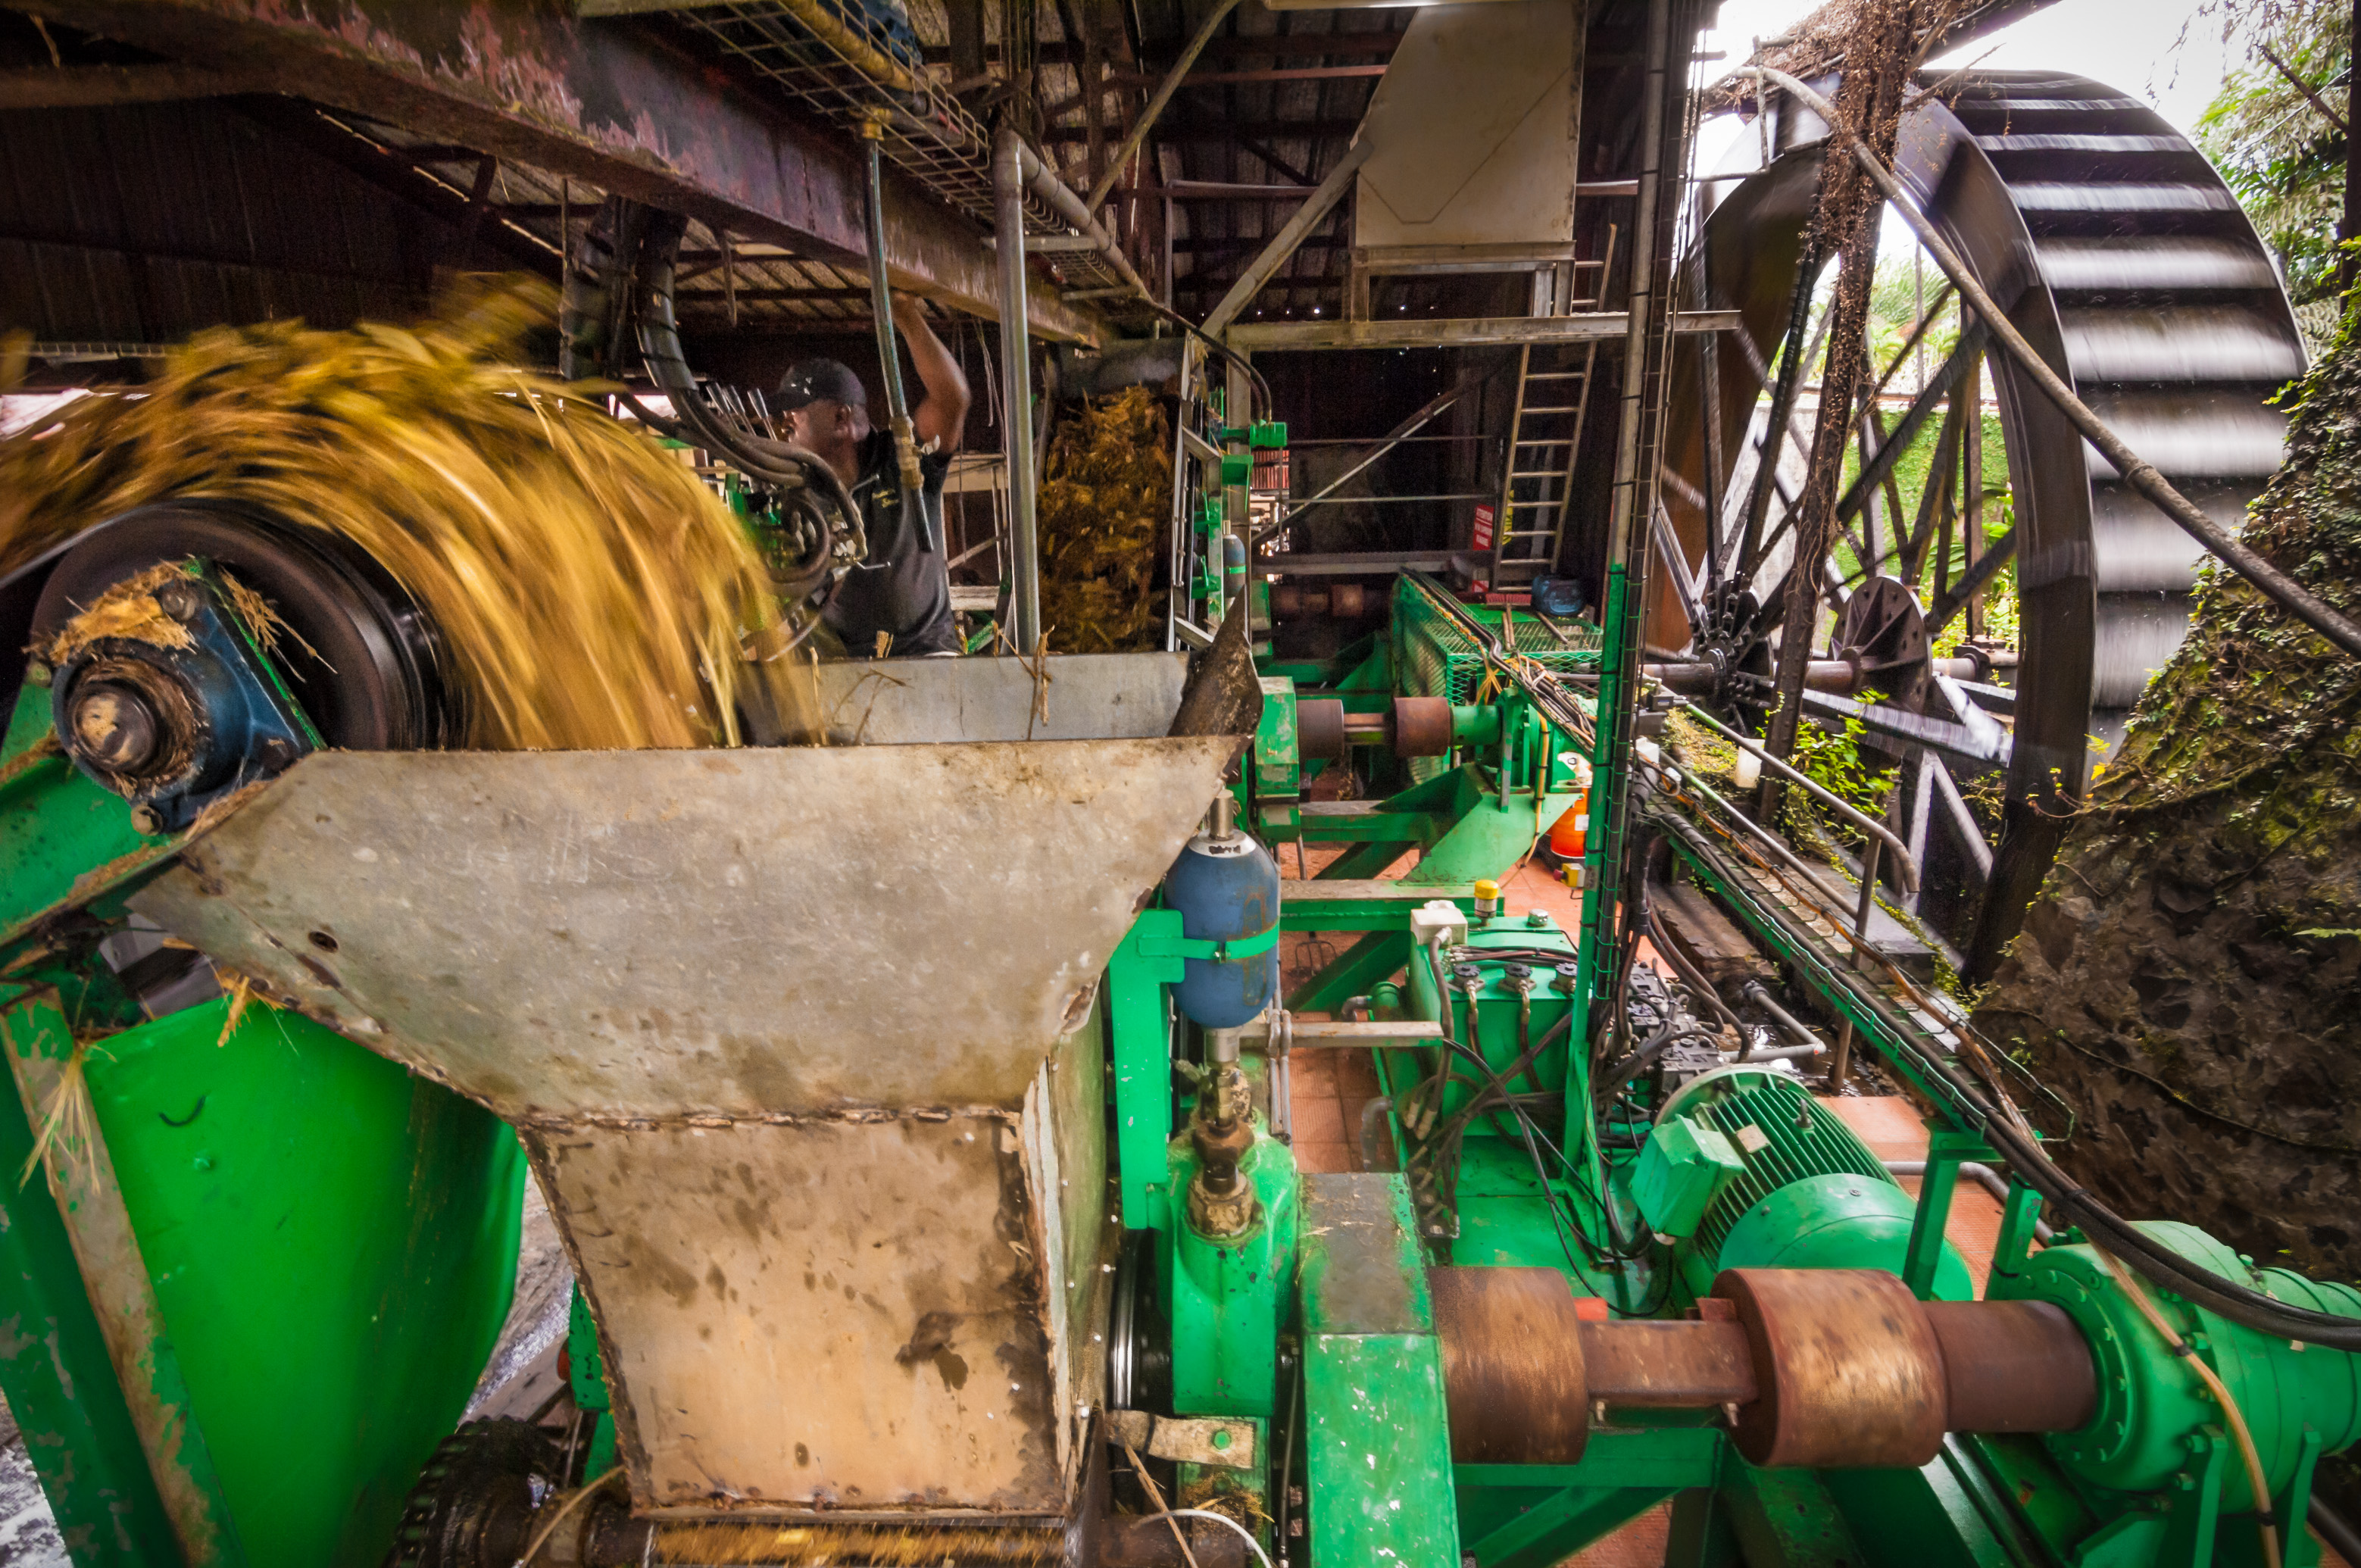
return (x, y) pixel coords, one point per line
(2137, 472)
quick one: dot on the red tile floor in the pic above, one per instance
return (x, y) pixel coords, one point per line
(1332, 1088)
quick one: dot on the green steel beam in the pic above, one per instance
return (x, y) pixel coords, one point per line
(1673, 1457)
(1785, 1518)
(1700, 1535)
(1945, 1151)
(1560, 1525)
(1376, 956)
(1374, 825)
(1484, 840)
(1377, 1442)
(1918, 1518)
(1363, 862)
(2017, 1218)
(1138, 1019)
(55, 1371)
(1343, 904)
(1602, 856)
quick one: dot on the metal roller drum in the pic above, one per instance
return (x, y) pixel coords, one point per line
(1856, 1372)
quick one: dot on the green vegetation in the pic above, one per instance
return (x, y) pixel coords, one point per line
(2282, 156)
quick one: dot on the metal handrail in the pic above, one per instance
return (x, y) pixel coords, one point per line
(1867, 824)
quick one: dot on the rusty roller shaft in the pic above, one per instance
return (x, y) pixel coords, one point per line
(1829, 1368)
(883, 1546)
(612, 1538)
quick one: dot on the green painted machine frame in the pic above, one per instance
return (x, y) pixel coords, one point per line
(250, 1270)
(1356, 1406)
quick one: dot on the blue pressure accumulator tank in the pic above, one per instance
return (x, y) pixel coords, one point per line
(1226, 890)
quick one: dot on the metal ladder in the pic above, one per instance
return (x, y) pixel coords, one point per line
(1551, 401)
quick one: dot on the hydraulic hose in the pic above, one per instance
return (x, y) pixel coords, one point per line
(889, 356)
(791, 469)
(2003, 1126)
(2077, 1206)
(597, 298)
(2335, 1528)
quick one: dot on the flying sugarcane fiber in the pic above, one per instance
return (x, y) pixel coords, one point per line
(1101, 515)
(591, 592)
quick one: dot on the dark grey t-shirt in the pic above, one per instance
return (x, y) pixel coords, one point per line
(903, 587)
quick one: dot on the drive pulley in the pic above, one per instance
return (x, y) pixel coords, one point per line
(191, 648)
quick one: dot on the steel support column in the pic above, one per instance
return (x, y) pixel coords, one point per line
(1016, 388)
(611, 102)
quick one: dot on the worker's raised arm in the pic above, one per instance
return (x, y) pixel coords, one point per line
(941, 415)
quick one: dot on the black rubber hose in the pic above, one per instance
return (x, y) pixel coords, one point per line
(1611, 1083)
(1253, 376)
(788, 467)
(597, 294)
(2077, 1206)
(2225, 1298)
(2335, 1530)
(1690, 976)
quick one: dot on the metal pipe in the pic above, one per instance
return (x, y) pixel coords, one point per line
(2334, 1528)
(1008, 159)
(1279, 1051)
(1164, 91)
(1983, 1175)
(1771, 840)
(858, 51)
(1626, 482)
(1042, 180)
(1376, 500)
(1755, 991)
(1783, 1053)
(1839, 677)
(2137, 471)
(1401, 433)
(1867, 824)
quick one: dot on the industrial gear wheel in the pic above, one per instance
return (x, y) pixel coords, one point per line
(474, 1502)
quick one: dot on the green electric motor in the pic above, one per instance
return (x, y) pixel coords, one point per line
(2299, 1401)
(1804, 1192)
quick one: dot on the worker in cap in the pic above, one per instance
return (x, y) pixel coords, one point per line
(902, 590)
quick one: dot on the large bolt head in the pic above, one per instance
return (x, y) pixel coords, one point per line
(180, 601)
(115, 726)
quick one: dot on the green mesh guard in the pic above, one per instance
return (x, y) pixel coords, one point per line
(1439, 660)
(1435, 658)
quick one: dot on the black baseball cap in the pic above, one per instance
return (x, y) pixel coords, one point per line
(809, 382)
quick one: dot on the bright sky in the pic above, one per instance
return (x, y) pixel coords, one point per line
(2138, 48)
